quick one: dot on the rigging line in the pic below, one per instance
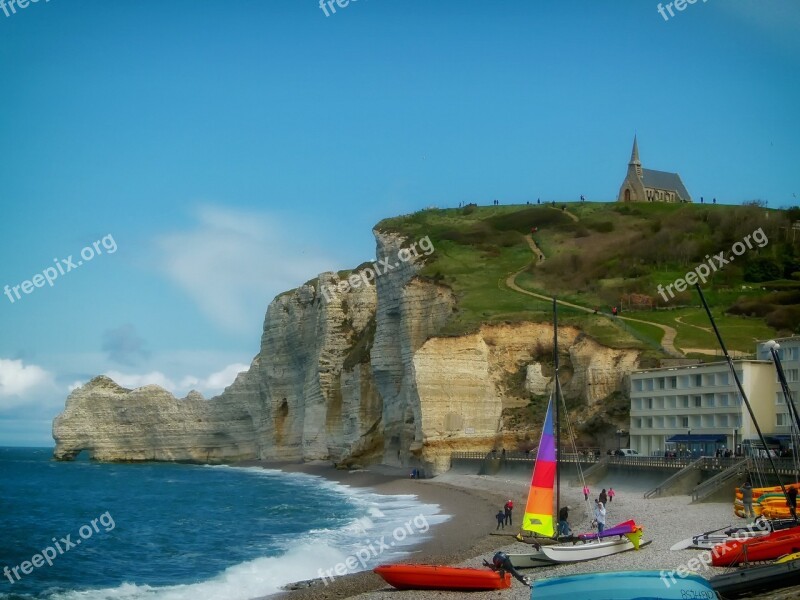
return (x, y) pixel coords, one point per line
(741, 391)
(571, 434)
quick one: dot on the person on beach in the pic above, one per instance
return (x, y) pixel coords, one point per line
(791, 499)
(600, 516)
(747, 500)
(611, 494)
(603, 497)
(501, 517)
(563, 525)
(501, 562)
(509, 506)
(585, 492)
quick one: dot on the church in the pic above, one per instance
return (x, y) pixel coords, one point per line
(647, 185)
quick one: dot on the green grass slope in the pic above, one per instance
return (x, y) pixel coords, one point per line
(599, 255)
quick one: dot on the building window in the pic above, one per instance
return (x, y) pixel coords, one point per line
(711, 379)
(782, 419)
(698, 380)
(722, 420)
(686, 402)
(723, 399)
(661, 383)
(698, 401)
(684, 421)
(709, 400)
(637, 385)
(650, 403)
(723, 378)
(791, 374)
(779, 399)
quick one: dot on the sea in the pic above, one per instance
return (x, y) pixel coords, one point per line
(164, 531)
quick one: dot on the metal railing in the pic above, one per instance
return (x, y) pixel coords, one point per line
(670, 480)
(709, 486)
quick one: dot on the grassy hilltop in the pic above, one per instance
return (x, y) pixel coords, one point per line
(599, 255)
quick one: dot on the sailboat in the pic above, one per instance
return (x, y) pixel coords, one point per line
(545, 483)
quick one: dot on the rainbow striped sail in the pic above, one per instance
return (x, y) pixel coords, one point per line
(539, 509)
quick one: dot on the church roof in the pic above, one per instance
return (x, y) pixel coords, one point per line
(664, 181)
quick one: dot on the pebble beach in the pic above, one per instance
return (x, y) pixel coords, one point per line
(470, 535)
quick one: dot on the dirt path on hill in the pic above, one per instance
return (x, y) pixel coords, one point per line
(566, 212)
(667, 342)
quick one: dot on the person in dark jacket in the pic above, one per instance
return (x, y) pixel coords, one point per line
(603, 497)
(563, 524)
(791, 499)
(501, 517)
(501, 562)
(747, 500)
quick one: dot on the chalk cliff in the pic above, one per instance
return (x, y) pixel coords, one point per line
(350, 375)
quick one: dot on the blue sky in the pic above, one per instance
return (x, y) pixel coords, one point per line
(233, 150)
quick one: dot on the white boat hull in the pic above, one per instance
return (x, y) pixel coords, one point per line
(550, 555)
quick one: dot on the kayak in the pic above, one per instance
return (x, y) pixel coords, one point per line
(756, 580)
(622, 585)
(436, 577)
(768, 547)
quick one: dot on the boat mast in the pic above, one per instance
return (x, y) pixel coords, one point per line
(742, 394)
(557, 423)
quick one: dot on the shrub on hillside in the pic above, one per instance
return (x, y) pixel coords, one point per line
(762, 268)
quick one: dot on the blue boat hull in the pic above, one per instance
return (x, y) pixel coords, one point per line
(622, 585)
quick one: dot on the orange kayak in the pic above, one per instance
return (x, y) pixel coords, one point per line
(766, 547)
(435, 577)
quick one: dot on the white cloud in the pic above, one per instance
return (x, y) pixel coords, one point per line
(232, 263)
(208, 386)
(16, 379)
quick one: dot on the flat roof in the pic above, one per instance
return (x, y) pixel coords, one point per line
(738, 361)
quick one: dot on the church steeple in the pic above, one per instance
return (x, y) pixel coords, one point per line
(635, 158)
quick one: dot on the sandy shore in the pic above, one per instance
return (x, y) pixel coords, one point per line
(469, 536)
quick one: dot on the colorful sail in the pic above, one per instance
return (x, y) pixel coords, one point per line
(539, 509)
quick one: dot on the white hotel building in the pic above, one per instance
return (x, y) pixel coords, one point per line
(697, 407)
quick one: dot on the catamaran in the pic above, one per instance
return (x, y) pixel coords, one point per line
(545, 483)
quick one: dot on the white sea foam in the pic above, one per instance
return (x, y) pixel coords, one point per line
(320, 550)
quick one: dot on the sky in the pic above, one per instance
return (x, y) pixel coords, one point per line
(169, 167)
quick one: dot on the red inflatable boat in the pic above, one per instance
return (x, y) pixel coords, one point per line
(434, 577)
(766, 547)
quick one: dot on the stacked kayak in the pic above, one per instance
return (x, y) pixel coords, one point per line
(764, 548)
(435, 577)
(756, 580)
(765, 500)
(622, 585)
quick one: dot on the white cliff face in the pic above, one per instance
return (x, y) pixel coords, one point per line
(357, 375)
